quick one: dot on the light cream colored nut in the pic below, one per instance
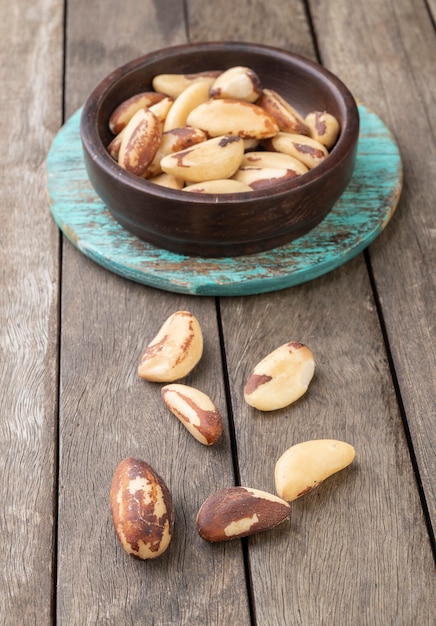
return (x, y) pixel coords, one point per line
(306, 149)
(175, 351)
(251, 143)
(115, 145)
(239, 512)
(260, 177)
(166, 180)
(174, 140)
(305, 465)
(222, 185)
(260, 169)
(280, 378)
(140, 141)
(174, 84)
(323, 127)
(240, 83)
(195, 410)
(161, 108)
(142, 509)
(232, 117)
(215, 158)
(124, 112)
(287, 117)
(189, 99)
(273, 160)
(178, 139)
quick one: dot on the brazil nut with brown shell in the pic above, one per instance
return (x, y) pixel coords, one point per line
(174, 351)
(235, 512)
(195, 410)
(142, 509)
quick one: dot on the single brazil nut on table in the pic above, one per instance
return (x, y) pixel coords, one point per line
(304, 466)
(195, 410)
(239, 512)
(142, 509)
(175, 350)
(280, 378)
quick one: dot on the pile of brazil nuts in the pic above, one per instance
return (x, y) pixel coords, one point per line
(217, 132)
(141, 503)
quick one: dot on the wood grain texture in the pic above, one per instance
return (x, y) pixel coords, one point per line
(346, 538)
(111, 414)
(280, 23)
(113, 34)
(108, 413)
(31, 58)
(391, 67)
(356, 550)
(307, 574)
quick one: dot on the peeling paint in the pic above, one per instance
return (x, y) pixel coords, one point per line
(358, 217)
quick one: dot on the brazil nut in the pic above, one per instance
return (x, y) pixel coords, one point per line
(142, 509)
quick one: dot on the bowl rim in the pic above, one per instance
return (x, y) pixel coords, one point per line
(95, 147)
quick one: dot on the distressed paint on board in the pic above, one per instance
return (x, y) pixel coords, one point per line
(355, 221)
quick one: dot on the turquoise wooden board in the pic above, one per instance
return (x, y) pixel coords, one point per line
(355, 221)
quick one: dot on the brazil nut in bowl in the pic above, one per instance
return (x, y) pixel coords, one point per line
(236, 132)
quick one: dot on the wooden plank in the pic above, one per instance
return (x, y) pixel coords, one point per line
(346, 539)
(280, 23)
(111, 36)
(30, 53)
(393, 73)
(108, 413)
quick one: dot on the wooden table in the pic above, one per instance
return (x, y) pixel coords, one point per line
(357, 551)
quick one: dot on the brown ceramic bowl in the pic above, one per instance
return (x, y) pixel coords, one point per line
(231, 224)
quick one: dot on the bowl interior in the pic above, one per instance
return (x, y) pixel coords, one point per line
(305, 84)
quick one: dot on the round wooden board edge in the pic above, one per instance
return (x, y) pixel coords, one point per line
(226, 279)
